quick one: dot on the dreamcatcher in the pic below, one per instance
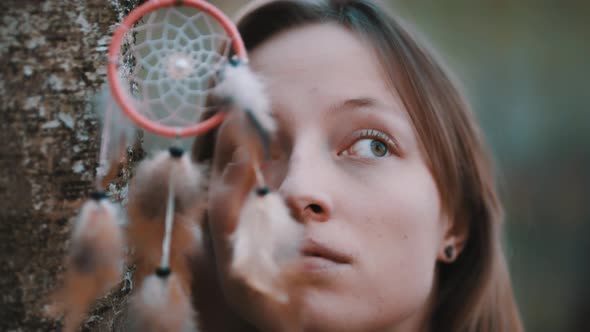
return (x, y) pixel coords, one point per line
(171, 62)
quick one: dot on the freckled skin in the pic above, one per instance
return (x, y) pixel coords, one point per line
(385, 212)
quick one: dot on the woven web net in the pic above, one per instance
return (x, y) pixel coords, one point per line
(169, 63)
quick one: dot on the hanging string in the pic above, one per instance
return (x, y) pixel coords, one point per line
(165, 262)
(102, 159)
(176, 153)
(260, 183)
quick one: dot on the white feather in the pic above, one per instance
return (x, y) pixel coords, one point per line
(162, 305)
(110, 212)
(247, 92)
(190, 179)
(121, 130)
(266, 238)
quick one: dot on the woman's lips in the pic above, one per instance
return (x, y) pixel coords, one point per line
(320, 255)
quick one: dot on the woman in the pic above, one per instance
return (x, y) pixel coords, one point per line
(382, 161)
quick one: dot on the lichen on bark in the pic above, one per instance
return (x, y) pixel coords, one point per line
(53, 63)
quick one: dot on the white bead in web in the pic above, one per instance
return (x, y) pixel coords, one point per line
(180, 65)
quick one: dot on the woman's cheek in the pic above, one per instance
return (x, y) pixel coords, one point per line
(401, 236)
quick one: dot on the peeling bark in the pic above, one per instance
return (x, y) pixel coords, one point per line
(53, 62)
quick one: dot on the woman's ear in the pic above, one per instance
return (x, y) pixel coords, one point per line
(454, 236)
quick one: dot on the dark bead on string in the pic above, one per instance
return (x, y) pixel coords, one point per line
(262, 191)
(262, 133)
(234, 61)
(450, 252)
(163, 272)
(98, 195)
(176, 152)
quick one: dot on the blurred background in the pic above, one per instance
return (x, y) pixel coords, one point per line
(525, 65)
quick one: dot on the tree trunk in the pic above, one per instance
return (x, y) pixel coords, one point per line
(53, 62)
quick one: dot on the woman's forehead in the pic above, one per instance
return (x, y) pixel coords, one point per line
(321, 63)
(327, 44)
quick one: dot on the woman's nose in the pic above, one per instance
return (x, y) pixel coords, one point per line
(307, 208)
(305, 191)
(304, 183)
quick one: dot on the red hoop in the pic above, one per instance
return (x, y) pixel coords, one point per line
(115, 81)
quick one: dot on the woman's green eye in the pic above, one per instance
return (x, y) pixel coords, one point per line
(368, 148)
(378, 148)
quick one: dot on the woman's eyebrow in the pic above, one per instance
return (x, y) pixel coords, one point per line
(354, 104)
(401, 119)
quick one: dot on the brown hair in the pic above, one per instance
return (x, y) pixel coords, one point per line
(474, 293)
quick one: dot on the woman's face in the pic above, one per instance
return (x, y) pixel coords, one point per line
(347, 159)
